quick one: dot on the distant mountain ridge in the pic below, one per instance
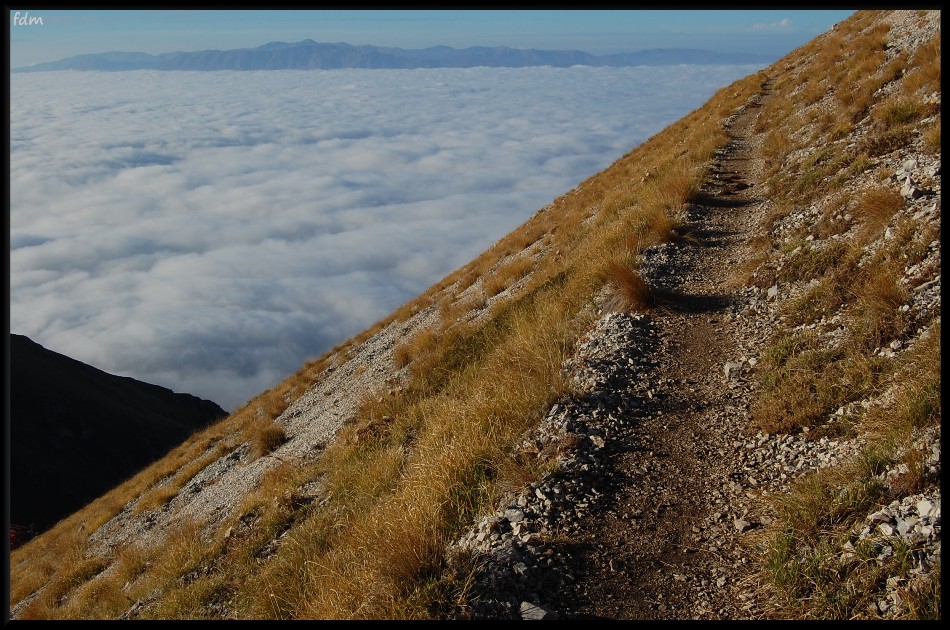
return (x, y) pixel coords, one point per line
(311, 55)
(77, 431)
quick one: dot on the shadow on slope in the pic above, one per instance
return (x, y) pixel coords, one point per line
(76, 431)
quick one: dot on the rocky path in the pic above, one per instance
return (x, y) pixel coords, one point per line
(665, 546)
(647, 517)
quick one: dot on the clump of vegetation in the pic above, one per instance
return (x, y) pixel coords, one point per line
(877, 206)
(633, 292)
(776, 146)
(805, 382)
(402, 354)
(503, 277)
(932, 138)
(266, 437)
(898, 111)
(809, 576)
(878, 297)
(924, 73)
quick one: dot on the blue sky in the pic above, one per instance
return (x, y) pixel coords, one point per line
(67, 33)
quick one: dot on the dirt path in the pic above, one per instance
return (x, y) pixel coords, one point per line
(663, 542)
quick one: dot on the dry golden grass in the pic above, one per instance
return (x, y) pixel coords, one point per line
(897, 111)
(876, 207)
(811, 262)
(465, 282)
(266, 437)
(634, 295)
(895, 69)
(775, 148)
(932, 138)
(451, 312)
(76, 568)
(876, 315)
(402, 355)
(831, 51)
(659, 217)
(493, 284)
(114, 591)
(616, 201)
(452, 442)
(420, 344)
(813, 91)
(865, 56)
(924, 69)
(805, 382)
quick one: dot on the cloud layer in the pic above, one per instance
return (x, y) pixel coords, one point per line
(209, 232)
(782, 24)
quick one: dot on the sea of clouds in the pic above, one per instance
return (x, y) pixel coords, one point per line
(211, 231)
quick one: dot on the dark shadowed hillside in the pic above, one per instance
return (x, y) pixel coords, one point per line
(77, 431)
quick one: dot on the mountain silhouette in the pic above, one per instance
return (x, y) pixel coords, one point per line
(311, 55)
(76, 431)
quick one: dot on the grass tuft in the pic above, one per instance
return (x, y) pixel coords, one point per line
(877, 206)
(267, 436)
(633, 293)
(899, 111)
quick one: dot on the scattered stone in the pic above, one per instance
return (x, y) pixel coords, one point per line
(731, 370)
(531, 610)
(909, 191)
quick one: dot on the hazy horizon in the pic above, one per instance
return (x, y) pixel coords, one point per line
(39, 35)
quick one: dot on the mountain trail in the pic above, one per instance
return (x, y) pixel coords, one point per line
(667, 542)
(653, 522)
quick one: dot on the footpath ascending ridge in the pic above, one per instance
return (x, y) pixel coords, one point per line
(649, 513)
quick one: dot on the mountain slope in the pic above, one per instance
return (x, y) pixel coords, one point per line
(310, 55)
(78, 431)
(732, 329)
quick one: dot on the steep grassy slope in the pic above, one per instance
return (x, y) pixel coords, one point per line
(852, 243)
(335, 493)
